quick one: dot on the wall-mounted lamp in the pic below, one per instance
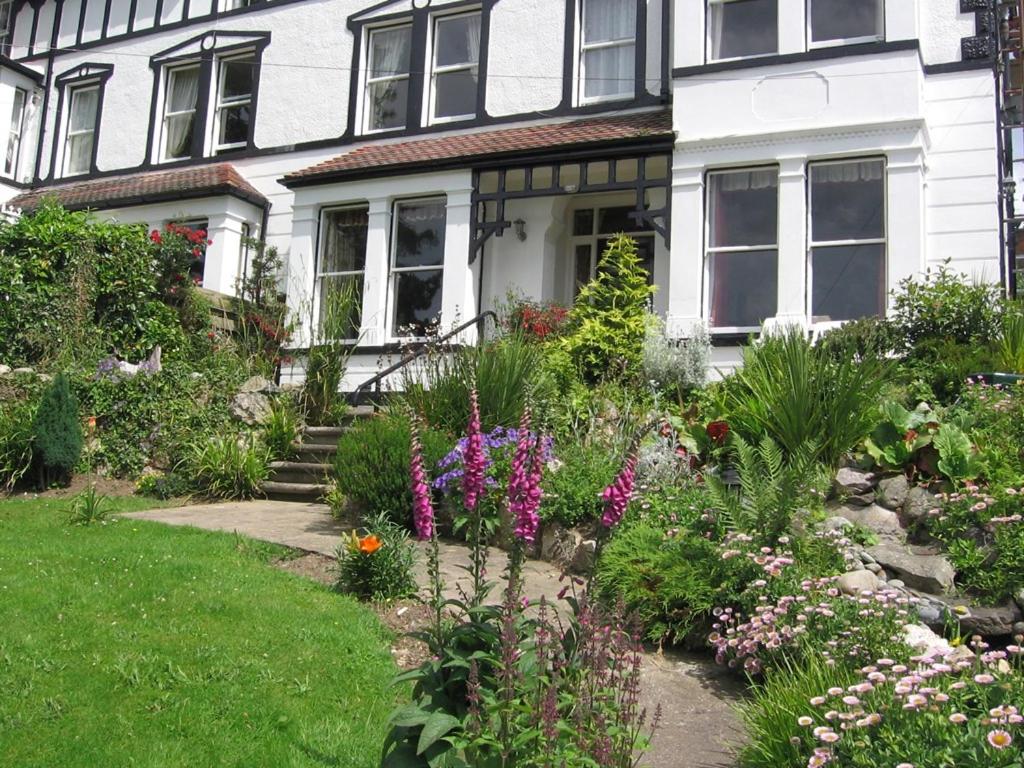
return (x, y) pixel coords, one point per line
(520, 227)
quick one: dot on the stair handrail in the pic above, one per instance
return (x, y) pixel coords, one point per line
(420, 351)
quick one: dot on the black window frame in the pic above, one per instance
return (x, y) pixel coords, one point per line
(83, 76)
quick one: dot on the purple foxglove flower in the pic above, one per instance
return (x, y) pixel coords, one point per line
(618, 495)
(422, 509)
(474, 458)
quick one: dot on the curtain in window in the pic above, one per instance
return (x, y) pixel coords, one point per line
(832, 173)
(390, 52)
(81, 129)
(609, 71)
(605, 20)
(473, 38)
(182, 97)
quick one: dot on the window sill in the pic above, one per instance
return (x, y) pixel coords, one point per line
(812, 46)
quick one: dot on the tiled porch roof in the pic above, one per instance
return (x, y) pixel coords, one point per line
(150, 187)
(460, 150)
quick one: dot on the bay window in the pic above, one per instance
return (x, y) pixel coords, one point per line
(742, 247)
(181, 99)
(83, 111)
(234, 103)
(342, 263)
(832, 22)
(417, 266)
(455, 67)
(847, 239)
(14, 133)
(607, 49)
(387, 78)
(740, 28)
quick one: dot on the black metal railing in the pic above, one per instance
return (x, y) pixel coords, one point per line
(375, 382)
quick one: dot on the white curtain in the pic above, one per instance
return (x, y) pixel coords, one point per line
(473, 38)
(390, 53)
(183, 92)
(605, 20)
(743, 180)
(866, 170)
(82, 124)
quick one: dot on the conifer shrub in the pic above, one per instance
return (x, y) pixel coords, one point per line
(57, 433)
(609, 317)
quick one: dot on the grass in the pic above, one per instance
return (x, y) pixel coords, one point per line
(131, 643)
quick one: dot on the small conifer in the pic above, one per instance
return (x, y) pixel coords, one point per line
(57, 433)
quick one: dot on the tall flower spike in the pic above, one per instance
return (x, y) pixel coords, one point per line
(526, 502)
(618, 495)
(474, 460)
(422, 509)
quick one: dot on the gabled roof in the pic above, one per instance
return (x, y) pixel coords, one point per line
(463, 150)
(150, 187)
(21, 69)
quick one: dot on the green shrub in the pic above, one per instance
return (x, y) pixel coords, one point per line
(796, 394)
(372, 464)
(609, 317)
(675, 366)
(572, 491)
(322, 401)
(379, 564)
(944, 305)
(1010, 342)
(164, 486)
(281, 430)
(57, 433)
(17, 415)
(867, 337)
(506, 372)
(942, 367)
(995, 415)
(229, 467)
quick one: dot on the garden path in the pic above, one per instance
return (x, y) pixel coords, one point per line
(698, 698)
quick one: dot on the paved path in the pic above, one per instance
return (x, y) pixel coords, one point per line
(697, 698)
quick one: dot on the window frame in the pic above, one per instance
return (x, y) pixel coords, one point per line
(368, 80)
(812, 244)
(319, 274)
(582, 48)
(435, 70)
(595, 236)
(168, 73)
(73, 90)
(394, 272)
(709, 250)
(15, 134)
(811, 45)
(219, 105)
(226, 6)
(709, 41)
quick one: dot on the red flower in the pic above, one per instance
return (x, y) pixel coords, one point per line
(155, 237)
(718, 431)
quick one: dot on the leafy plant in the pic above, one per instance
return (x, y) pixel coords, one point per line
(572, 494)
(534, 321)
(371, 466)
(162, 485)
(88, 507)
(867, 337)
(281, 430)
(901, 434)
(1010, 342)
(796, 394)
(16, 419)
(610, 316)
(263, 328)
(229, 467)
(958, 460)
(57, 433)
(675, 365)
(773, 488)
(379, 564)
(328, 356)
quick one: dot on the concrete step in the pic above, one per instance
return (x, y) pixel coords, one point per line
(299, 471)
(294, 491)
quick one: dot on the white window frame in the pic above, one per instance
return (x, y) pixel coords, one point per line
(394, 271)
(811, 45)
(436, 70)
(320, 274)
(710, 41)
(369, 80)
(220, 104)
(73, 92)
(583, 47)
(592, 239)
(165, 115)
(709, 251)
(15, 133)
(812, 243)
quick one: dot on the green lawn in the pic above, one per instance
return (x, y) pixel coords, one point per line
(137, 644)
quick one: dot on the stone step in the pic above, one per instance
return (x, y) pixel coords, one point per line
(294, 491)
(311, 453)
(299, 471)
(328, 436)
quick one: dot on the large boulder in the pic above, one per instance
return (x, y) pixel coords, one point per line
(918, 567)
(879, 520)
(918, 502)
(990, 621)
(853, 482)
(250, 408)
(892, 492)
(855, 582)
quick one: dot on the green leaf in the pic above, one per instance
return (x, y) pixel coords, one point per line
(436, 726)
(403, 757)
(409, 715)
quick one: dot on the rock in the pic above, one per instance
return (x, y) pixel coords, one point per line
(860, 500)
(250, 407)
(1018, 628)
(876, 519)
(932, 614)
(919, 568)
(22, 372)
(558, 544)
(1019, 598)
(836, 523)
(45, 377)
(865, 557)
(4, 369)
(925, 642)
(258, 384)
(850, 481)
(892, 492)
(985, 621)
(875, 568)
(919, 500)
(896, 583)
(855, 582)
(583, 560)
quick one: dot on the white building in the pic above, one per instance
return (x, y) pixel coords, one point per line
(777, 160)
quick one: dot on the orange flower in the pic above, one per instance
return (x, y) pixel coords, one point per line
(369, 544)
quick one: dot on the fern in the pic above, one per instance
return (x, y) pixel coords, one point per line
(774, 486)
